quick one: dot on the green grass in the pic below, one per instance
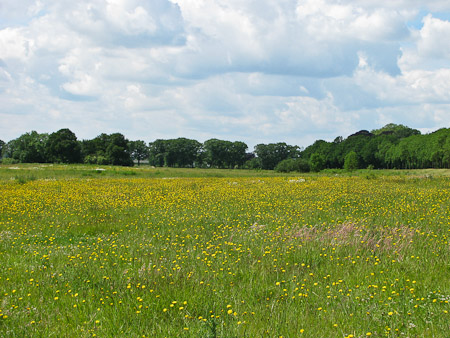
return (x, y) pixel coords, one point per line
(58, 171)
(133, 252)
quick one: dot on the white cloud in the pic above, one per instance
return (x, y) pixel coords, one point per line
(14, 45)
(257, 71)
(130, 23)
(432, 41)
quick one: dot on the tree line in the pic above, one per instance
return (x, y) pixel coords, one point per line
(393, 146)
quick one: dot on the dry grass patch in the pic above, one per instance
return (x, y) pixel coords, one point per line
(350, 233)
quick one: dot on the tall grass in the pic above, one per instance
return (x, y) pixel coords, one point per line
(134, 256)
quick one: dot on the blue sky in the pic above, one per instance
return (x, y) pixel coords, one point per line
(257, 71)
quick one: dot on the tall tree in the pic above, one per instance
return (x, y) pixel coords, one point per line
(397, 130)
(351, 161)
(157, 153)
(2, 146)
(216, 152)
(63, 147)
(138, 151)
(29, 148)
(238, 155)
(328, 152)
(273, 153)
(317, 162)
(181, 152)
(117, 150)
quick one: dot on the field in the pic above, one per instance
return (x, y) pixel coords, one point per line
(142, 252)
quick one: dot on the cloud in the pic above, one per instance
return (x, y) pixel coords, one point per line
(129, 23)
(431, 38)
(257, 71)
(308, 38)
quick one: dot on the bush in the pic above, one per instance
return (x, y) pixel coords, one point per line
(96, 159)
(254, 163)
(292, 164)
(351, 161)
(285, 166)
(9, 160)
(317, 162)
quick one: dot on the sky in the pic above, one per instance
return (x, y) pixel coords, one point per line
(258, 71)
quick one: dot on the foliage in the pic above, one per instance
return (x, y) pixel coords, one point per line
(107, 149)
(180, 152)
(254, 163)
(28, 148)
(292, 164)
(317, 162)
(2, 145)
(273, 153)
(117, 151)
(9, 160)
(393, 146)
(157, 153)
(397, 130)
(63, 147)
(224, 154)
(351, 161)
(138, 151)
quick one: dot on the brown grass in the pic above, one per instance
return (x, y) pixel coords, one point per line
(349, 233)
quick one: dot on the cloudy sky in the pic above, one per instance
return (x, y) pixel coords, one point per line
(257, 71)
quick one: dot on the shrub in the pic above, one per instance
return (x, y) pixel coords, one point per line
(254, 163)
(292, 164)
(8, 160)
(351, 161)
(317, 162)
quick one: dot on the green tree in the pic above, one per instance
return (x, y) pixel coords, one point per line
(273, 153)
(216, 152)
(317, 162)
(117, 150)
(107, 149)
(357, 142)
(94, 151)
(63, 147)
(253, 163)
(328, 151)
(397, 130)
(157, 153)
(237, 154)
(28, 148)
(138, 151)
(2, 146)
(293, 164)
(181, 152)
(351, 161)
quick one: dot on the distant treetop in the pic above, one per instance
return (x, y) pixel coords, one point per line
(397, 129)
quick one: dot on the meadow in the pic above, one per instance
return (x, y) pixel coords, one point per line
(144, 252)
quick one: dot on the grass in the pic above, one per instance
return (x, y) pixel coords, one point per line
(124, 252)
(61, 171)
